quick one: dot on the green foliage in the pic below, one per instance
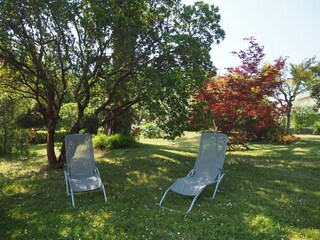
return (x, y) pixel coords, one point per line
(292, 87)
(273, 133)
(279, 135)
(120, 141)
(13, 141)
(304, 118)
(100, 141)
(68, 116)
(316, 128)
(117, 140)
(40, 136)
(314, 85)
(29, 120)
(108, 55)
(151, 130)
(90, 123)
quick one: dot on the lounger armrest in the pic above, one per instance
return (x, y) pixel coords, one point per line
(67, 175)
(191, 173)
(97, 171)
(189, 164)
(65, 169)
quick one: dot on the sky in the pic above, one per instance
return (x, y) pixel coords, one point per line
(286, 28)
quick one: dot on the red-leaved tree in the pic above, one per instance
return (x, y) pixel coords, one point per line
(240, 100)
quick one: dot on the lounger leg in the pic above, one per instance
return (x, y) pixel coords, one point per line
(192, 203)
(217, 185)
(72, 199)
(104, 193)
(164, 195)
(69, 192)
(67, 185)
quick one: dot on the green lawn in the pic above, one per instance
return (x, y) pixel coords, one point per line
(269, 192)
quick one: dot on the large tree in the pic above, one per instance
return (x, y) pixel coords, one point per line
(314, 86)
(34, 49)
(239, 101)
(107, 55)
(293, 86)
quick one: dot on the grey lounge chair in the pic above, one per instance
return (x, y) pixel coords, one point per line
(207, 169)
(81, 173)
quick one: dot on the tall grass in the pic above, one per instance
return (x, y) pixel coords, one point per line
(269, 192)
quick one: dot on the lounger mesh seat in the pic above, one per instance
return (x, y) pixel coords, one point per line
(207, 169)
(81, 172)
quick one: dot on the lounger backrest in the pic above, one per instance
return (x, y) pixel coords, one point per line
(79, 155)
(211, 156)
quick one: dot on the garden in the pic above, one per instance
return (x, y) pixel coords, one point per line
(269, 192)
(138, 76)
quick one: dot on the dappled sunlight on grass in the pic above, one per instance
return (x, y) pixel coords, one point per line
(262, 224)
(94, 220)
(137, 177)
(14, 189)
(161, 156)
(268, 192)
(183, 153)
(39, 149)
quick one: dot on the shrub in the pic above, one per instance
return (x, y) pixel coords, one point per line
(120, 141)
(316, 128)
(151, 130)
(60, 135)
(13, 141)
(100, 141)
(304, 117)
(288, 139)
(90, 123)
(40, 136)
(115, 141)
(279, 135)
(29, 120)
(273, 133)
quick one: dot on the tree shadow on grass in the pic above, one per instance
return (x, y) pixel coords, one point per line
(261, 197)
(280, 185)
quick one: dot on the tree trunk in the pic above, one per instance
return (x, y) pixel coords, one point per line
(50, 149)
(288, 118)
(121, 124)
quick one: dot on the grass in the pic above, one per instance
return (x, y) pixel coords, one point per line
(269, 192)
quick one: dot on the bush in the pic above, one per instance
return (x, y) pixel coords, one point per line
(316, 128)
(118, 140)
(100, 141)
(29, 120)
(288, 139)
(306, 130)
(60, 135)
(279, 135)
(40, 136)
(273, 133)
(151, 130)
(13, 141)
(90, 124)
(304, 118)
